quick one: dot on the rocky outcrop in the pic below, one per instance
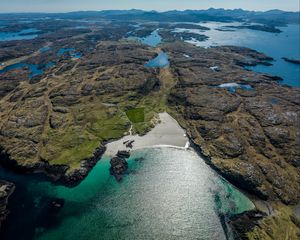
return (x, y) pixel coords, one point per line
(6, 189)
(60, 174)
(243, 223)
(250, 136)
(119, 164)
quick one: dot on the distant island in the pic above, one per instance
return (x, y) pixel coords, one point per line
(295, 61)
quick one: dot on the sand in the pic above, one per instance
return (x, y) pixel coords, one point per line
(167, 133)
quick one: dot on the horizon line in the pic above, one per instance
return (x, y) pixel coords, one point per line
(163, 11)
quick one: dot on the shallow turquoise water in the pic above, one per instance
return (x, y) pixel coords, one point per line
(167, 194)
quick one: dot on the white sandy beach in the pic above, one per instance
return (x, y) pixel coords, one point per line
(166, 133)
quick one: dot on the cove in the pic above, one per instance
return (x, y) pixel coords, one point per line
(168, 194)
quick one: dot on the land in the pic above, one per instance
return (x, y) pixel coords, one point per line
(61, 122)
(295, 61)
(119, 164)
(6, 189)
(166, 132)
(264, 28)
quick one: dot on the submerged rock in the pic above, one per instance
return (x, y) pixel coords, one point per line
(56, 204)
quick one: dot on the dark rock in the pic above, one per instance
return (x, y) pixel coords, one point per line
(243, 223)
(295, 61)
(56, 204)
(123, 154)
(118, 167)
(129, 144)
(150, 84)
(6, 189)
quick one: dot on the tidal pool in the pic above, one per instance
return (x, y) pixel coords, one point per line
(168, 194)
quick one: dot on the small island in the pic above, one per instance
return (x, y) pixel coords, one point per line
(291, 60)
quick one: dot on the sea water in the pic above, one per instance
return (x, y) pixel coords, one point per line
(276, 45)
(167, 194)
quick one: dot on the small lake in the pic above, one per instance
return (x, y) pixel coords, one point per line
(168, 194)
(276, 45)
(25, 34)
(160, 61)
(70, 51)
(35, 69)
(152, 40)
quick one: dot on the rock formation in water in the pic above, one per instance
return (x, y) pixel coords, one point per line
(6, 189)
(119, 164)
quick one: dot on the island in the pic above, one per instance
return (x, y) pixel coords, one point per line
(295, 61)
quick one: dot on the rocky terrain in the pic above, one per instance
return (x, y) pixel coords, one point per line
(244, 123)
(119, 165)
(242, 132)
(6, 189)
(250, 136)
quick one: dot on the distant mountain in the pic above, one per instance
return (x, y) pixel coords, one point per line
(273, 17)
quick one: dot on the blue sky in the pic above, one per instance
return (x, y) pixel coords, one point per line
(159, 5)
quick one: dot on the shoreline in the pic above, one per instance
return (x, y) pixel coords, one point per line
(167, 133)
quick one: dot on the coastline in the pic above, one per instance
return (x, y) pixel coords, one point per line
(167, 133)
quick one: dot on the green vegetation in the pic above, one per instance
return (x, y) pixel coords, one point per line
(276, 226)
(136, 115)
(85, 128)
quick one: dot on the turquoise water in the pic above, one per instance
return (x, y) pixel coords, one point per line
(167, 194)
(25, 34)
(160, 61)
(276, 45)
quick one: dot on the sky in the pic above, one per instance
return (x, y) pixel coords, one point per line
(159, 5)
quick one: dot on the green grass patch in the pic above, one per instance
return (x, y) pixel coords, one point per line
(136, 115)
